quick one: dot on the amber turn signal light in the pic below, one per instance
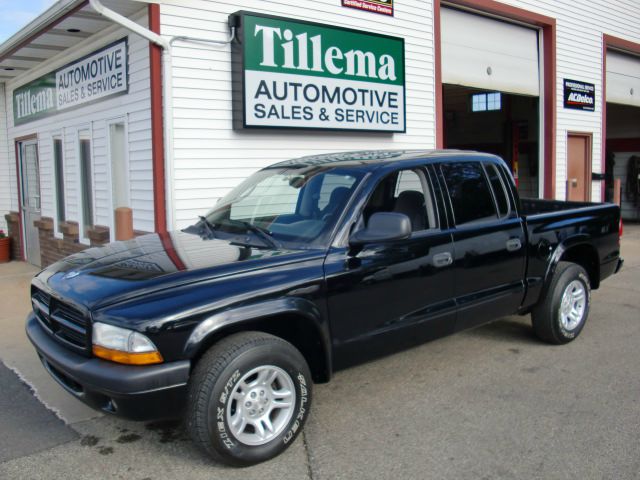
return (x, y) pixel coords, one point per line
(118, 356)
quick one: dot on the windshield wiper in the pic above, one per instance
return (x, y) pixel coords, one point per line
(208, 226)
(261, 232)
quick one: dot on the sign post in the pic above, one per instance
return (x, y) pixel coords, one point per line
(294, 74)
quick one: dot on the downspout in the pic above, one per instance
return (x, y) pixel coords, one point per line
(167, 95)
(167, 89)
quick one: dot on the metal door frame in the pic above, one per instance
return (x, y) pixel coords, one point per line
(17, 142)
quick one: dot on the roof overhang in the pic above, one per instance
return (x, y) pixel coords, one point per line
(65, 24)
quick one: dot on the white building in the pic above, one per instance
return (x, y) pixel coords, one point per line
(132, 103)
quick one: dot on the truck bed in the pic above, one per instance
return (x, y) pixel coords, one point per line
(534, 206)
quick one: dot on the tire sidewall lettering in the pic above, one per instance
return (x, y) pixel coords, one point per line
(302, 409)
(221, 423)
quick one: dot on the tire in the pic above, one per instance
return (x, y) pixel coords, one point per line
(229, 387)
(556, 321)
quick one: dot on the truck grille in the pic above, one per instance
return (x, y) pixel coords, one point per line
(67, 324)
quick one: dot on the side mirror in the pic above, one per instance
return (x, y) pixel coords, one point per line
(383, 227)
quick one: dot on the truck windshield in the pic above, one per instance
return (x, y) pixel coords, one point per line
(292, 207)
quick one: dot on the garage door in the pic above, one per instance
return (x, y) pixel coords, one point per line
(486, 53)
(623, 78)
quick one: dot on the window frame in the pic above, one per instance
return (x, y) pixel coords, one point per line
(85, 133)
(55, 136)
(423, 174)
(509, 214)
(108, 123)
(485, 95)
(474, 223)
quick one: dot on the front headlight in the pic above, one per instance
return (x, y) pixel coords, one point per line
(123, 346)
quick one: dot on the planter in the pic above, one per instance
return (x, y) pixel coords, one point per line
(5, 252)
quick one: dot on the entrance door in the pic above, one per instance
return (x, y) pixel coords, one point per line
(30, 197)
(578, 167)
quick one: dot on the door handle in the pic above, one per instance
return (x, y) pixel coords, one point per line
(513, 244)
(442, 259)
(573, 182)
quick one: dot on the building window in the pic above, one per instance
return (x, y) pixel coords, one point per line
(58, 166)
(86, 184)
(484, 102)
(119, 169)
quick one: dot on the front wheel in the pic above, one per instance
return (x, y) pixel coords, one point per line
(249, 397)
(560, 317)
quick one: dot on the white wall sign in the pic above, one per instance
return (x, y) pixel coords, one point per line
(99, 75)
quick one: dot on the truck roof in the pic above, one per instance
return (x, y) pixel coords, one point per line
(380, 157)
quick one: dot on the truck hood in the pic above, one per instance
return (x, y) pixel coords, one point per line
(123, 270)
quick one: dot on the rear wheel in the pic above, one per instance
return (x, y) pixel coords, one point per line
(248, 398)
(560, 317)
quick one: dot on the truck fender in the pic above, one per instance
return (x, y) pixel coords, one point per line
(214, 326)
(556, 257)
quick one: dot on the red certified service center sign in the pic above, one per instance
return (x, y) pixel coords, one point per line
(385, 7)
(295, 74)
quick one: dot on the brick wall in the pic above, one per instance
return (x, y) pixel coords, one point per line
(53, 249)
(13, 231)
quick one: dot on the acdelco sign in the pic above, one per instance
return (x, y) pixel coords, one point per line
(296, 74)
(579, 95)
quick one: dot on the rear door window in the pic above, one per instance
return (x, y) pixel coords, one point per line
(499, 190)
(469, 191)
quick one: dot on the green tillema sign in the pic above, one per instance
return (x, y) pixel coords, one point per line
(296, 74)
(287, 46)
(35, 100)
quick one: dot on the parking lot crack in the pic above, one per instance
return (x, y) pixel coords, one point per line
(307, 455)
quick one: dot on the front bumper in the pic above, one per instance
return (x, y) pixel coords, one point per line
(134, 392)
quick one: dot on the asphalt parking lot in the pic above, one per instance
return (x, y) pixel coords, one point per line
(490, 403)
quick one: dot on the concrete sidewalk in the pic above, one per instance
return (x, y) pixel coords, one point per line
(492, 402)
(17, 353)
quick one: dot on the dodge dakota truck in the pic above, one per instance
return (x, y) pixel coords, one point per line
(309, 266)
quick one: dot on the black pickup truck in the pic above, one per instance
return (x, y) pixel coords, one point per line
(309, 266)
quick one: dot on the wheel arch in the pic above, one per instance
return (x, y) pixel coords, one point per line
(293, 320)
(579, 252)
(586, 256)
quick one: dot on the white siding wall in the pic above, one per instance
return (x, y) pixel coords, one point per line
(132, 108)
(7, 170)
(211, 158)
(580, 25)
